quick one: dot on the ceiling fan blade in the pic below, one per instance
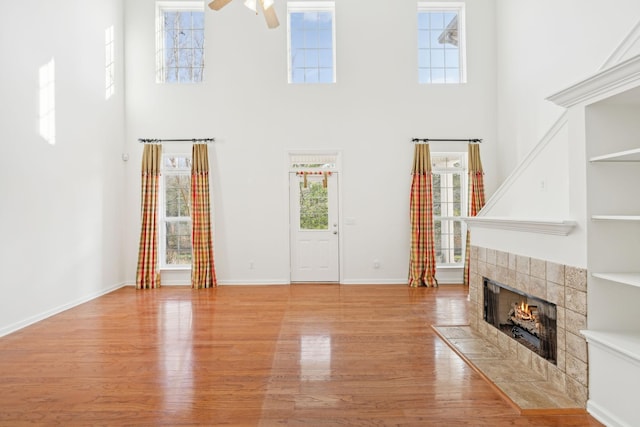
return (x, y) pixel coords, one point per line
(218, 4)
(270, 15)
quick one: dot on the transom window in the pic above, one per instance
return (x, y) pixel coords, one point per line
(179, 41)
(441, 43)
(311, 42)
(449, 206)
(175, 229)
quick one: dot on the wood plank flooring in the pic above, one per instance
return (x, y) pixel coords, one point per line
(299, 355)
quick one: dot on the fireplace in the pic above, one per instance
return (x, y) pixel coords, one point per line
(560, 284)
(527, 319)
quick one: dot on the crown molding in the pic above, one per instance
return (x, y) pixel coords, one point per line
(603, 84)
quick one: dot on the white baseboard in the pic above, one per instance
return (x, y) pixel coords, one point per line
(441, 281)
(604, 416)
(38, 317)
(253, 282)
(374, 282)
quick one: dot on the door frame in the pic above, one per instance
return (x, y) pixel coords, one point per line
(337, 154)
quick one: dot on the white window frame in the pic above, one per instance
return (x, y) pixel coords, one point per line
(162, 232)
(464, 190)
(311, 6)
(179, 6)
(459, 7)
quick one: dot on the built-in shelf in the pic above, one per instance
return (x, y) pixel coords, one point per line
(626, 344)
(631, 279)
(605, 107)
(616, 217)
(559, 227)
(622, 156)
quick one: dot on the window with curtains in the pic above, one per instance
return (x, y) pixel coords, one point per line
(449, 206)
(175, 211)
(441, 43)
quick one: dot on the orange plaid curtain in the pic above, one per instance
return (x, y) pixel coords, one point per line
(422, 262)
(476, 198)
(147, 274)
(203, 273)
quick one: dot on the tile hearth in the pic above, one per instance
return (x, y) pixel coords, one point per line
(527, 389)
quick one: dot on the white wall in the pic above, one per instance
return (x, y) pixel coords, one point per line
(61, 204)
(370, 115)
(543, 47)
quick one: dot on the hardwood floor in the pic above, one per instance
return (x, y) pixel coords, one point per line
(299, 355)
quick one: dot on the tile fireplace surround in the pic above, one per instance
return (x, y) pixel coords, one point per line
(562, 285)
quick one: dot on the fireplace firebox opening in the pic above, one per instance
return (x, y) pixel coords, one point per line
(527, 319)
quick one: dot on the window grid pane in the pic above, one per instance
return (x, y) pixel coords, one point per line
(448, 207)
(178, 242)
(176, 212)
(448, 241)
(180, 45)
(311, 47)
(438, 47)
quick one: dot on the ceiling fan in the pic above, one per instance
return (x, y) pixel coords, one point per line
(267, 9)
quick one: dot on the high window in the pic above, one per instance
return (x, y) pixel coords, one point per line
(441, 43)
(179, 41)
(449, 206)
(109, 62)
(47, 102)
(175, 217)
(311, 42)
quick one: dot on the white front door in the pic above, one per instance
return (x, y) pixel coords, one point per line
(314, 228)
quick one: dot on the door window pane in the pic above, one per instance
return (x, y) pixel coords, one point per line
(314, 206)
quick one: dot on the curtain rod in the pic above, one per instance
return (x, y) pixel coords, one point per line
(473, 141)
(194, 140)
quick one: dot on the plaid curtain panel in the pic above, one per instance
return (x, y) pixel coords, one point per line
(476, 198)
(147, 274)
(422, 261)
(203, 273)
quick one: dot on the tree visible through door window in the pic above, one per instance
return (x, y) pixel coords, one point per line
(314, 206)
(449, 206)
(175, 238)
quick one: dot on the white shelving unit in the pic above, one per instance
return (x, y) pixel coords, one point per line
(613, 248)
(613, 256)
(607, 106)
